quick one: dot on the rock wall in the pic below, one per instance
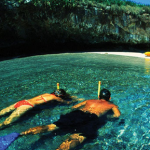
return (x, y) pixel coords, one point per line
(83, 24)
(96, 24)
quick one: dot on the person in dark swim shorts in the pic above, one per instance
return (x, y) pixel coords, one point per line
(80, 122)
(83, 122)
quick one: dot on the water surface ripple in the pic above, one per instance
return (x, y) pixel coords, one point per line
(128, 79)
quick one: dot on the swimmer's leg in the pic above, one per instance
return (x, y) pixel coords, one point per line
(73, 141)
(7, 110)
(17, 113)
(40, 129)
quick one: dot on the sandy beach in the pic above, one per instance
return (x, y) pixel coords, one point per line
(132, 54)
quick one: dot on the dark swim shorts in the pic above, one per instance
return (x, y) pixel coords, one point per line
(80, 122)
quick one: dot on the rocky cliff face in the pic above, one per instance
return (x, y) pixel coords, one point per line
(83, 24)
(96, 24)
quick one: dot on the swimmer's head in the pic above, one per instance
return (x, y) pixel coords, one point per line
(60, 93)
(105, 94)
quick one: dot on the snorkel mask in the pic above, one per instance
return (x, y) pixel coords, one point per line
(58, 93)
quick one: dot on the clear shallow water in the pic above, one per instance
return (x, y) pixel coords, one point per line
(127, 78)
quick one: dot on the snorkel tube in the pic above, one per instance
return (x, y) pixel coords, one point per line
(57, 86)
(99, 88)
(59, 92)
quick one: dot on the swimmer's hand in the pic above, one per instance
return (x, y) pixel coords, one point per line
(81, 99)
(66, 102)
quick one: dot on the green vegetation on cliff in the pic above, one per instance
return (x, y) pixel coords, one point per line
(118, 5)
(66, 2)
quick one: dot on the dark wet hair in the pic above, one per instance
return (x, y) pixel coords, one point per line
(62, 94)
(105, 94)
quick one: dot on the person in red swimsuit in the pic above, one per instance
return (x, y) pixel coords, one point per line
(83, 122)
(23, 106)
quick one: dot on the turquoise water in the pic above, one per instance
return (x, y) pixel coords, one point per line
(127, 78)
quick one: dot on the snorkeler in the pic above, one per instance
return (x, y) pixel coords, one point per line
(83, 122)
(23, 106)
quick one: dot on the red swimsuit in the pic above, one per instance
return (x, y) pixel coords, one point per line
(23, 102)
(42, 98)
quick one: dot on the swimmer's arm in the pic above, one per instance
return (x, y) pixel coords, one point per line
(75, 98)
(40, 129)
(79, 105)
(63, 101)
(116, 113)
